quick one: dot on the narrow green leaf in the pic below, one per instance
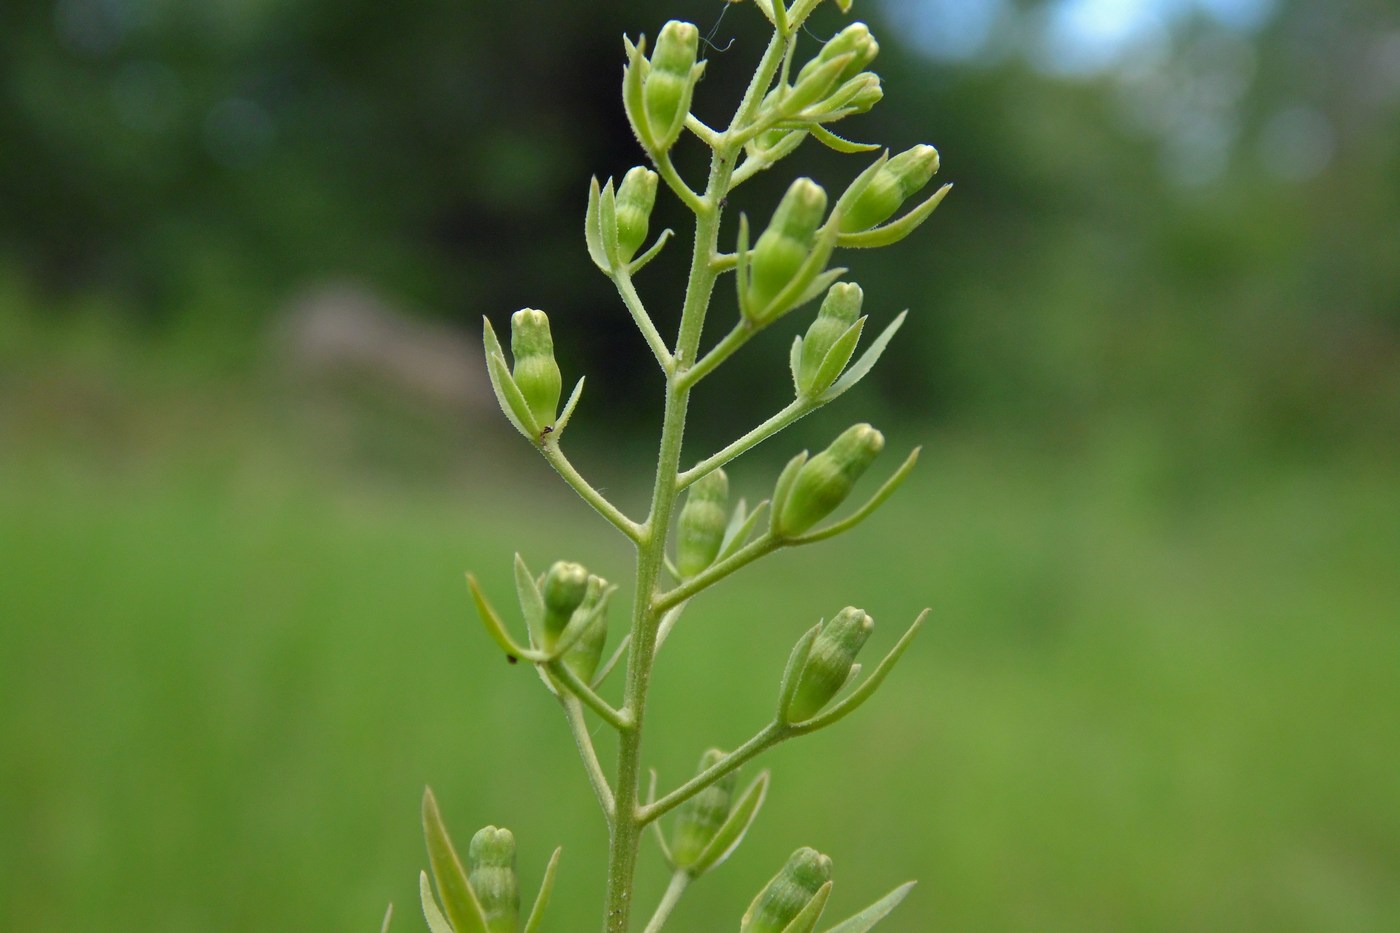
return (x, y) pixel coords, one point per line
(865, 690)
(636, 70)
(732, 831)
(388, 918)
(807, 917)
(792, 673)
(737, 537)
(895, 230)
(562, 421)
(867, 360)
(608, 215)
(458, 900)
(856, 188)
(497, 629)
(527, 590)
(795, 362)
(593, 229)
(508, 394)
(741, 266)
(783, 489)
(830, 139)
(640, 262)
(532, 924)
(867, 918)
(432, 913)
(838, 356)
(656, 825)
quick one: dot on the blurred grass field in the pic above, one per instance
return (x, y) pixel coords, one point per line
(1152, 696)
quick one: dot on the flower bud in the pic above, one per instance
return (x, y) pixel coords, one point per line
(829, 662)
(784, 247)
(700, 817)
(564, 588)
(792, 889)
(491, 874)
(583, 655)
(669, 83)
(700, 531)
(535, 371)
(896, 181)
(635, 198)
(857, 95)
(838, 312)
(855, 40)
(826, 480)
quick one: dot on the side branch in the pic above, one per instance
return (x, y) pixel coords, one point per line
(792, 412)
(633, 301)
(721, 351)
(593, 497)
(764, 739)
(716, 572)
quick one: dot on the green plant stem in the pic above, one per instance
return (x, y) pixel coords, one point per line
(593, 497)
(679, 882)
(711, 575)
(633, 301)
(721, 351)
(794, 410)
(573, 713)
(615, 718)
(764, 739)
(651, 543)
(667, 170)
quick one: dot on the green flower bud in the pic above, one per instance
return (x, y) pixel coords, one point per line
(826, 480)
(829, 662)
(838, 312)
(700, 531)
(857, 95)
(564, 588)
(670, 81)
(535, 371)
(855, 40)
(792, 889)
(700, 817)
(635, 198)
(897, 180)
(783, 247)
(491, 873)
(584, 654)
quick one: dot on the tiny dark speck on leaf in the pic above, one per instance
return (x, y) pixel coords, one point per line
(511, 659)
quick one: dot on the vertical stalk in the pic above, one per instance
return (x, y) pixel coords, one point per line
(651, 542)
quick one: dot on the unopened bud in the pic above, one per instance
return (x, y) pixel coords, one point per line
(897, 180)
(826, 480)
(700, 817)
(792, 889)
(564, 588)
(855, 40)
(784, 246)
(838, 312)
(857, 95)
(829, 662)
(700, 531)
(583, 655)
(670, 82)
(635, 198)
(535, 371)
(491, 874)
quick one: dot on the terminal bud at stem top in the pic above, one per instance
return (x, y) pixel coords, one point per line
(491, 867)
(895, 182)
(826, 480)
(792, 891)
(829, 662)
(535, 371)
(855, 41)
(703, 521)
(656, 93)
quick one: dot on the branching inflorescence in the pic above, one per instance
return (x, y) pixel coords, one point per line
(564, 609)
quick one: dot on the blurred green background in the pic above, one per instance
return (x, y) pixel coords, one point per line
(246, 452)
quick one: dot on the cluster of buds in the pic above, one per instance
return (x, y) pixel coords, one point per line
(830, 663)
(617, 221)
(656, 92)
(569, 621)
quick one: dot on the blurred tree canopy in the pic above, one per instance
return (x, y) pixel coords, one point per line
(1197, 222)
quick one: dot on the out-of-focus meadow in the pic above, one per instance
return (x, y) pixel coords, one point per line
(246, 453)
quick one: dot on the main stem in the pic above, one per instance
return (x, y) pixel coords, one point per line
(651, 543)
